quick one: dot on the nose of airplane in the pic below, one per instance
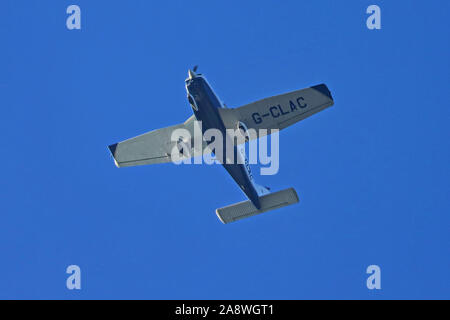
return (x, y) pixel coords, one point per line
(191, 74)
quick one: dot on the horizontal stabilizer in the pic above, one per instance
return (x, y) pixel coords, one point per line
(246, 209)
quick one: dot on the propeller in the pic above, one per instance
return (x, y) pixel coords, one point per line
(192, 73)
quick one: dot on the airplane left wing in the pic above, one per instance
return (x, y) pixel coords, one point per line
(153, 147)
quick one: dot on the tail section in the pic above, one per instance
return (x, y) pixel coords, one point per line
(246, 209)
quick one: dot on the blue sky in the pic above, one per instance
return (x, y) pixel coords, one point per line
(372, 173)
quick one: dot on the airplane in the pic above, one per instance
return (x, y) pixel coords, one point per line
(273, 113)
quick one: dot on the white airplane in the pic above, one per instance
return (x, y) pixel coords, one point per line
(276, 112)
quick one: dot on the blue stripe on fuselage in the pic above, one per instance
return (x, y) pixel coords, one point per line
(208, 105)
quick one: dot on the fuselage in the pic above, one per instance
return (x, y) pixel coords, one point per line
(205, 105)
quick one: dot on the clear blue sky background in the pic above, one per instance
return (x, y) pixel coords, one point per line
(372, 172)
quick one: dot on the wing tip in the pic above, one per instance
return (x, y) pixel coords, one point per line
(323, 89)
(112, 148)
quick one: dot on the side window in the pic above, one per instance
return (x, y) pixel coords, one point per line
(192, 103)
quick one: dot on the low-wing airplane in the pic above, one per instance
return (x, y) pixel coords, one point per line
(276, 112)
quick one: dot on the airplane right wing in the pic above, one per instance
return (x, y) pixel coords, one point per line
(280, 111)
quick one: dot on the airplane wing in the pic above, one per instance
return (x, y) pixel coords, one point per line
(280, 111)
(152, 147)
